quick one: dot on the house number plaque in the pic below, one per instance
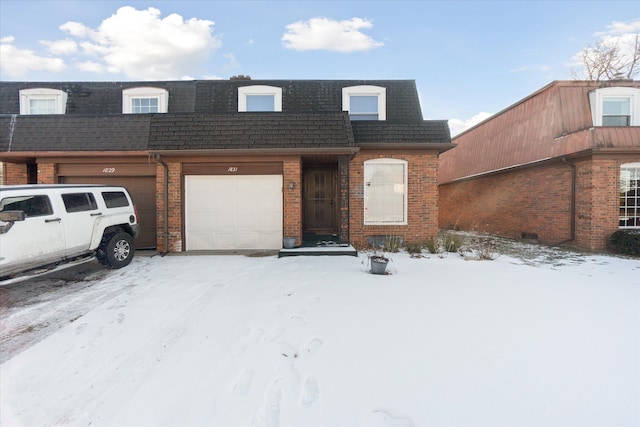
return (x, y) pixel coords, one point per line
(232, 169)
(109, 170)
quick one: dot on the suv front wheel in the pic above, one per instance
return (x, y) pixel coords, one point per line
(116, 250)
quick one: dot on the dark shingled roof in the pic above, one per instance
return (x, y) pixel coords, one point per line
(250, 130)
(431, 131)
(203, 115)
(74, 133)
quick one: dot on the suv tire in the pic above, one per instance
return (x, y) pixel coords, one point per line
(116, 250)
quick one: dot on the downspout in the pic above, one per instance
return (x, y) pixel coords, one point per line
(573, 202)
(166, 205)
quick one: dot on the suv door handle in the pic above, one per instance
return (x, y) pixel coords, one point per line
(96, 214)
(53, 220)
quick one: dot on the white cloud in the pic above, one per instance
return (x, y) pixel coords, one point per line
(143, 45)
(457, 126)
(328, 34)
(91, 66)
(75, 29)
(61, 47)
(622, 34)
(17, 62)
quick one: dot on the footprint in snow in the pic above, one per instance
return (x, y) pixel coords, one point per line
(80, 328)
(312, 346)
(269, 412)
(310, 392)
(273, 335)
(243, 384)
(297, 319)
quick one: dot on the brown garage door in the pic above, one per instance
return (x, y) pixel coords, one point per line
(143, 192)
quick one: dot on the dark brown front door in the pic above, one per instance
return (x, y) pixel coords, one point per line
(319, 200)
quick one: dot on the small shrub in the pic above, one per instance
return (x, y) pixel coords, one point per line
(432, 245)
(392, 243)
(414, 248)
(451, 242)
(626, 242)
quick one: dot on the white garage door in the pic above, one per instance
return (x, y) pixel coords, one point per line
(233, 212)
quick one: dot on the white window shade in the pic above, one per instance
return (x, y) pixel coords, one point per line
(259, 98)
(385, 192)
(141, 100)
(43, 101)
(365, 102)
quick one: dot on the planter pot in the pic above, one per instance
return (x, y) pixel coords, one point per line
(379, 265)
(289, 242)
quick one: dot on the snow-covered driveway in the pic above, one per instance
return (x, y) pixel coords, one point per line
(318, 341)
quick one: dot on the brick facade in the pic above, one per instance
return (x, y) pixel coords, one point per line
(537, 203)
(533, 203)
(15, 173)
(422, 223)
(292, 199)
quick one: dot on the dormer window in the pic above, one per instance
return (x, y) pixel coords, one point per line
(365, 102)
(615, 106)
(43, 101)
(259, 98)
(144, 100)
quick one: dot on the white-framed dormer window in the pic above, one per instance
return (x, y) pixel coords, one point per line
(615, 106)
(259, 98)
(43, 101)
(144, 100)
(365, 102)
(385, 192)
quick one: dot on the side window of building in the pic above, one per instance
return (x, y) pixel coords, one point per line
(115, 199)
(365, 102)
(385, 192)
(79, 202)
(32, 206)
(42, 101)
(630, 195)
(145, 100)
(258, 98)
(615, 106)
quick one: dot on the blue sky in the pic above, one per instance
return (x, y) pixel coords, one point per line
(468, 58)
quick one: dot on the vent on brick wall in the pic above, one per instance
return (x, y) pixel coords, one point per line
(529, 236)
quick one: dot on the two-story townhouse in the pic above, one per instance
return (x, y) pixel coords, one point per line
(240, 163)
(561, 166)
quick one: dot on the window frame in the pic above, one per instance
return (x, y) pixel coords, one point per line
(128, 95)
(260, 90)
(366, 90)
(58, 96)
(598, 96)
(625, 208)
(367, 198)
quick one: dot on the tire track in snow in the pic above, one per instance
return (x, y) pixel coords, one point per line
(110, 387)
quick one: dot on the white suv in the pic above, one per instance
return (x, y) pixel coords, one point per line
(47, 225)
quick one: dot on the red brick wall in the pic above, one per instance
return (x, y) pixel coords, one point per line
(532, 201)
(538, 200)
(47, 173)
(598, 200)
(292, 199)
(422, 221)
(175, 207)
(15, 173)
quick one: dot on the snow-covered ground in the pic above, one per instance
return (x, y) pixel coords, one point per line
(530, 338)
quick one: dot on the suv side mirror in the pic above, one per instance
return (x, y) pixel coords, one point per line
(10, 217)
